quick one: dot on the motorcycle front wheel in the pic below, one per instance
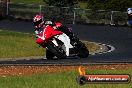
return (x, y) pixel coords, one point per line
(55, 51)
(49, 54)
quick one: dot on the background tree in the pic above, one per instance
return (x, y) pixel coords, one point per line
(59, 3)
(119, 5)
(62, 14)
(96, 4)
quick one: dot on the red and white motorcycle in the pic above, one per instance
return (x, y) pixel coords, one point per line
(60, 46)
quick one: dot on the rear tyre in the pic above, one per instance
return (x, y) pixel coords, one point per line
(83, 52)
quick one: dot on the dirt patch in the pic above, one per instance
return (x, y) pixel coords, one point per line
(29, 70)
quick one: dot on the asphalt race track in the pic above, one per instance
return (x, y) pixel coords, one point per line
(119, 37)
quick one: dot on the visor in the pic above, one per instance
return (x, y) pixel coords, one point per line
(37, 23)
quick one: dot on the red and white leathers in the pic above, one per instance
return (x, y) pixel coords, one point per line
(49, 32)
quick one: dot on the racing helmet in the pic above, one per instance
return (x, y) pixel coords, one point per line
(38, 20)
(129, 10)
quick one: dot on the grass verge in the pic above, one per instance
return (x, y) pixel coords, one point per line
(59, 80)
(14, 44)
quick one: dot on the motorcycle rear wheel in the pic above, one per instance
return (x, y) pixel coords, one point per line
(83, 52)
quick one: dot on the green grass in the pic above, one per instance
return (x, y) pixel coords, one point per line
(14, 44)
(59, 80)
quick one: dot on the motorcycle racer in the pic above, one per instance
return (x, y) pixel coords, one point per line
(48, 32)
(55, 25)
(129, 13)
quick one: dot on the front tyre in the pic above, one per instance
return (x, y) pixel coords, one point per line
(55, 51)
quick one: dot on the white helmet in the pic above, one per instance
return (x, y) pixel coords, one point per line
(129, 10)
